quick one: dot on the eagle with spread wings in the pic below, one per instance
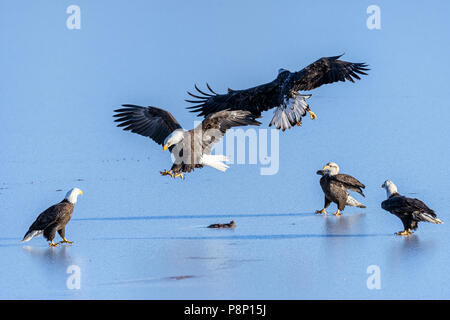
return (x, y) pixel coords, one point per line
(282, 93)
(190, 148)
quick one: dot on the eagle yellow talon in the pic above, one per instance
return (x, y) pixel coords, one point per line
(66, 241)
(179, 174)
(404, 233)
(337, 213)
(52, 244)
(312, 115)
(167, 173)
(321, 211)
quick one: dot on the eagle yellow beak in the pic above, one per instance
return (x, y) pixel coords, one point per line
(326, 167)
(165, 147)
(81, 192)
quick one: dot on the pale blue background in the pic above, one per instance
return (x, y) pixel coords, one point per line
(133, 228)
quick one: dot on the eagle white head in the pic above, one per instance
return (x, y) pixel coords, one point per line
(331, 168)
(390, 187)
(175, 137)
(73, 194)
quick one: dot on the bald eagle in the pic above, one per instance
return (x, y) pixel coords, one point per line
(335, 186)
(409, 210)
(54, 219)
(190, 149)
(282, 93)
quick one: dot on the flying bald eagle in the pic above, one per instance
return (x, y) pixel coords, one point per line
(282, 93)
(335, 186)
(54, 219)
(409, 210)
(190, 149)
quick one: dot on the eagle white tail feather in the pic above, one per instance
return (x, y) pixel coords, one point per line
(354, 203)
(287, 116)
(431, 219)
(30, 235)
(215, 161)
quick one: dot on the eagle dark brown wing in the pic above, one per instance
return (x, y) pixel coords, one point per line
(215, 126)
(409, 210)
(327, 70)
(255, 100)
(350, 182)
(402, 205)
(282, 93)
(58, 213)
(151, 122)
(47, 217)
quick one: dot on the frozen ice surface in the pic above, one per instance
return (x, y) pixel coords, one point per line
(142, 236)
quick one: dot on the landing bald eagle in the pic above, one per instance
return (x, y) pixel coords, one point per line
(190, 149)
(335, 186)
(282, 93)
(409, 210)
(54, 219)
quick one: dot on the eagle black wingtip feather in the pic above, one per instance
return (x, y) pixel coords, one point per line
(209, 88)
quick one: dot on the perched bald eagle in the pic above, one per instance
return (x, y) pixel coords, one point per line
(335, 186)
(54, 219)
(409, 210)
(282, 93)
(190, 149)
